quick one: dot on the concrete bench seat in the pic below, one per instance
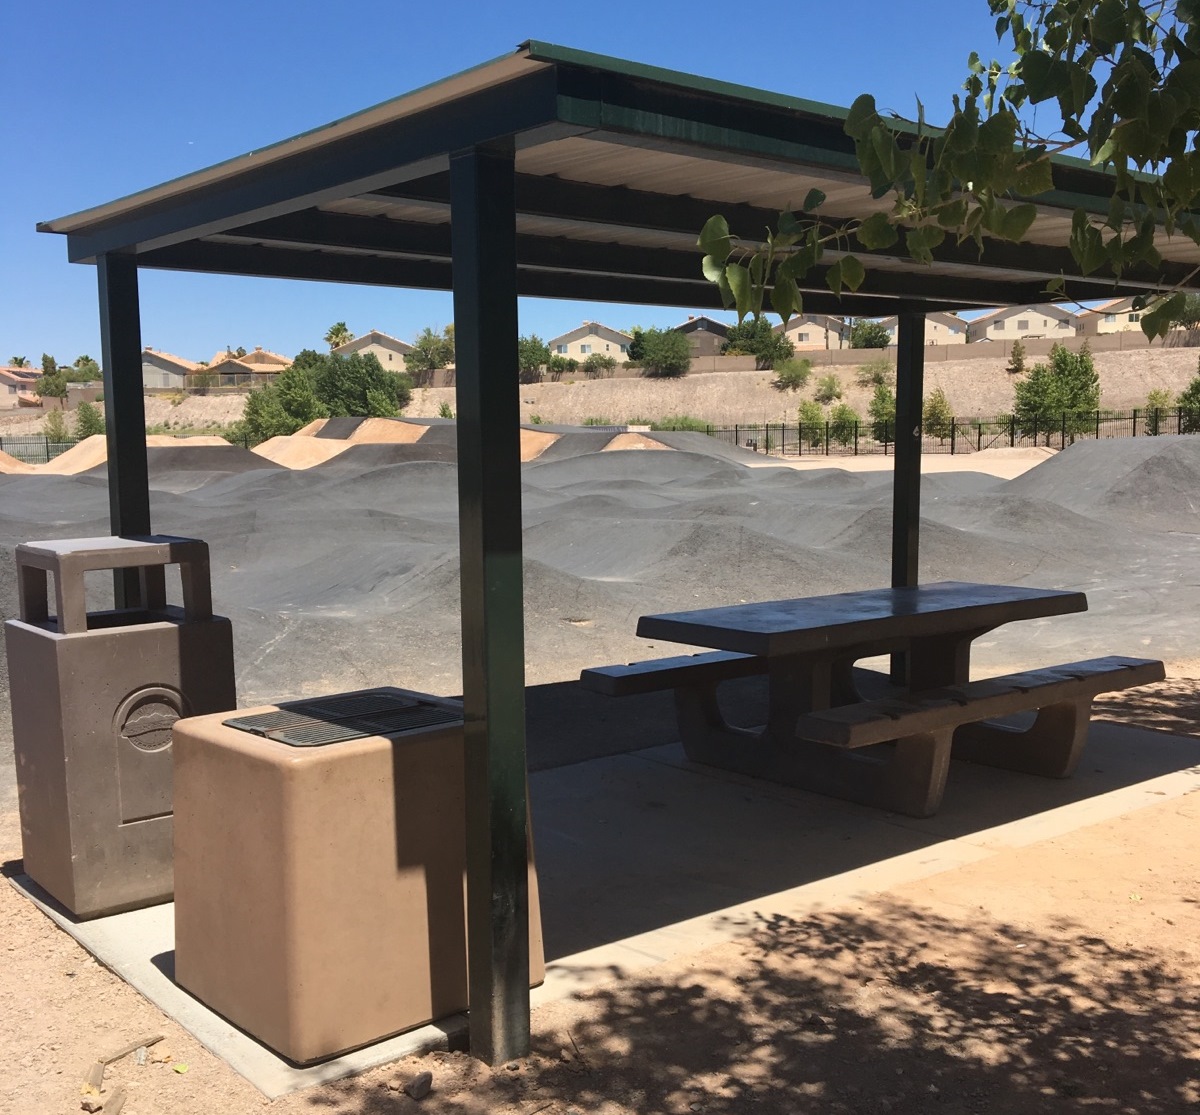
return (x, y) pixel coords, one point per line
(878, 721)
(706, 669)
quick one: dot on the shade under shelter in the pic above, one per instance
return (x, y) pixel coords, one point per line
(549, 172)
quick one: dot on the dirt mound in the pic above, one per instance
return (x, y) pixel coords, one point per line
(386, 431)
(634, 441)
(534, 443)
(300, 451)
(11, 465)
(89, 453)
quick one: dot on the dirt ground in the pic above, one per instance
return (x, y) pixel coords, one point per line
(1061, 976)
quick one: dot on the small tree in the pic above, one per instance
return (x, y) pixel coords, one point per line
(533, 354)
(1189, 407)
(49, 364)
(865, 333)
(597, 364)
(560, 365)
(792, 374)
(875, 372)
(936, 415)
(83, 370)
(665, 353)
(445, 410)
(431, 350)
(336, 335)
(637, 349)
(53, 386)
(843, 424)
(811, 419)
(55, 427)
(883, 413)
(755, 337)
(1016, 361)
(1156, 402)
(1063, 391)
(88, 421)
(356, 385)
(829, 389)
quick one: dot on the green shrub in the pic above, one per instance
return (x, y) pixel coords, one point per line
(445, 410)
(55, 427)
(869, 334)
(559, 364)
(883, 413)
(535, 419)
(876, 373)
(639, 421)
(843, 424)
(829, 389)
(811, 420)
(593, 421)
(597, 364)
(936, 415)
(88, 421)
(681, 422)
(1189, 408)
(756, 338)
(665, 353)
(792, 374)
(1157, 401)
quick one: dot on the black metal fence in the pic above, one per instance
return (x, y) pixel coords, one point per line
(34, 449)
(840, 438)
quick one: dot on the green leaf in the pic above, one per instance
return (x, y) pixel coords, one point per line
(714, 238)
(921, 242)
(714, 270)
(953, 215)
(1017, 221)
(876, 232)
(814, 199)
(785, 298)
(1108, 25)
(740, 285)
(1034, 177)
(833, 277)
(1157, 321)
(1086, 243)
(853, 272)
(862, 117)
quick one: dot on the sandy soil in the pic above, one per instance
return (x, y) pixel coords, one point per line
(1055, 977)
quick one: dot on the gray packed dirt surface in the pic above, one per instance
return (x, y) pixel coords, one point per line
(345, 575)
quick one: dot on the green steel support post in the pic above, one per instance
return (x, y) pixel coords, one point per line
(125, 410)
(906, 483)
(484, 245)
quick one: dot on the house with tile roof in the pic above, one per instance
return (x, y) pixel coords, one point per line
(388, 350)
(165, 369)
(940, 328)
(1117, 315)
(591, 337)
(815, 331)
(17, 382)
(1023, 323)
(706, 335)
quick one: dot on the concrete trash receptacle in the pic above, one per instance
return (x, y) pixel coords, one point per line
(319, 868)
(94, 697)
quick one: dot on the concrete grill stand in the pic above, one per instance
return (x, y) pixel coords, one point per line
(94, 698)
(319, 866)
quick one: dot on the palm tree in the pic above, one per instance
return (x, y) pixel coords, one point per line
(17, 362)
(338, 335)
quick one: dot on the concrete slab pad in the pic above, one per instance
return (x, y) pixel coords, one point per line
(644, 857)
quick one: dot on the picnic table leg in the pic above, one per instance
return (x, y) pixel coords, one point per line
(1050, 746)
(939, 660)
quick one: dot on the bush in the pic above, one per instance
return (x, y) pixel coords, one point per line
(876, 373)
(1189, 408)
(811, 420)
(560, 364)
(936, 415)
(665, 353)
(756, 338)
(445, 410)
(88, 421)
(1157, 401)
(597, 364)
(639, 421)
(843, 424)
(681, 422)
(55, 427)
(535, 419)
(792, 374)
(596, 422)
(829, 388)
(869, 334)
(883, 413)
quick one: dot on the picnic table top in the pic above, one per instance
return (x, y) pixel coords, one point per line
(848, 619)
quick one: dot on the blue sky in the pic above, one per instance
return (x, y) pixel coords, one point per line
(103, 100)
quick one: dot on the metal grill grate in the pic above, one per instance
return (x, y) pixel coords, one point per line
(344, 717)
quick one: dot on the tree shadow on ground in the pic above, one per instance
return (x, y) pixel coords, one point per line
(890, 1008)
(1172, 706)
